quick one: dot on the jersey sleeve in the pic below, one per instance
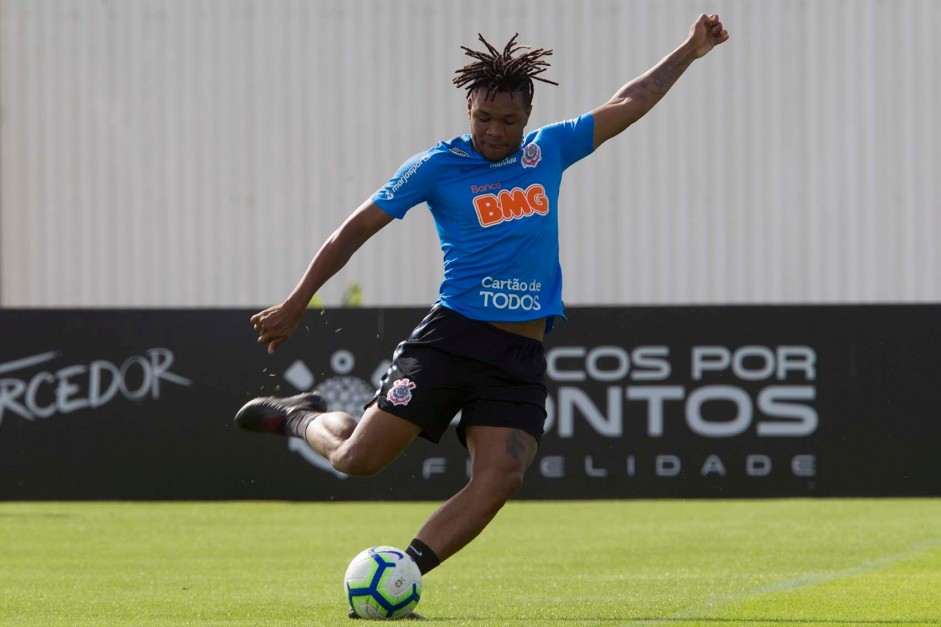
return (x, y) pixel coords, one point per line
(575, 138)
(408, 187)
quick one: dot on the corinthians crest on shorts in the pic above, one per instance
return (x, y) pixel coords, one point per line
(401, 392)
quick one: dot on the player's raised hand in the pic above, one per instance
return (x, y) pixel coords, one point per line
(276, 324)
(705, 34)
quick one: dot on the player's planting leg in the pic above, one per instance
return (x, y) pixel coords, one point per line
(500, 457)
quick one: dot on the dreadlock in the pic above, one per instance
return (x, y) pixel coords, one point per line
(500, 71)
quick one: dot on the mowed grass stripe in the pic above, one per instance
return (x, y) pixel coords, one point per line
(750, 562)
(713, 605)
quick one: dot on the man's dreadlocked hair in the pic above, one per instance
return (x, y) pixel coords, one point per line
(498, 71)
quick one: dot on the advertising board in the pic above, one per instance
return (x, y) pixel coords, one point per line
(644, 402)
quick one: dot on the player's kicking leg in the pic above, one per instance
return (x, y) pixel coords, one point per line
(358, 449)
(280, 415)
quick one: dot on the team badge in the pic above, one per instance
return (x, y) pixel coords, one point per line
(401, 392)
(532, 155)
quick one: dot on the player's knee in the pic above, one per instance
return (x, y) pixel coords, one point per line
(496, 491)
(344, 425)
(502, 484)
(512, 483)
(356, 462)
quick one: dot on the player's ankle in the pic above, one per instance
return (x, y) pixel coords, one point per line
(297, 423)
(423, 555)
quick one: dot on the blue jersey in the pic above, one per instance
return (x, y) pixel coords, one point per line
(497, 221)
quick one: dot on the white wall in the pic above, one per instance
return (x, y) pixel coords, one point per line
(197, 152)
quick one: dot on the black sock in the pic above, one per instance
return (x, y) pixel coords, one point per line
(297, 422)
(423, 555)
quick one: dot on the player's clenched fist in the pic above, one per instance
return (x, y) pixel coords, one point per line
(706, 33)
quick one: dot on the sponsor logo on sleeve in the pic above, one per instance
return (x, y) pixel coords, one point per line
(388, 192)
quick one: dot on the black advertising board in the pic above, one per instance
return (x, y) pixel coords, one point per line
(737, 401)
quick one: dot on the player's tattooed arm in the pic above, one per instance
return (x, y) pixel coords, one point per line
(636, 98)
(656, 82)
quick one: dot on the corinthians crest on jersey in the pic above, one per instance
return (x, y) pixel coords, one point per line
(532, 155)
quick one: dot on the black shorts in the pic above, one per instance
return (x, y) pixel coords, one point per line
(453, 364)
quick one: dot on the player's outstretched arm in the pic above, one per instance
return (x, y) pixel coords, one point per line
(276, 324)
(639, 96)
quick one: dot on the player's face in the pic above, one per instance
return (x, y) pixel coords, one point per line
(497, 124)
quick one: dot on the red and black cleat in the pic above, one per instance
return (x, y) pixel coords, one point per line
(270, 414)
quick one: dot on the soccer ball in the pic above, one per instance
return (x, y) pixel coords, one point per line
(383, 582)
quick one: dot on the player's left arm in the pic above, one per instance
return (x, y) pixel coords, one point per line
(639, 96)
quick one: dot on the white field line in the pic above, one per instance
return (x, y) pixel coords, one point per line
(712, 604)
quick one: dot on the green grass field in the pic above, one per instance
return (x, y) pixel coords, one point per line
(774, 562)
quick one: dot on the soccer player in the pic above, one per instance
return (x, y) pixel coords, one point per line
(493, 194)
